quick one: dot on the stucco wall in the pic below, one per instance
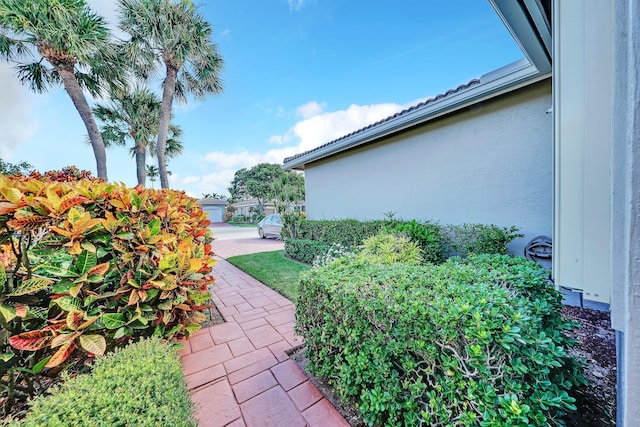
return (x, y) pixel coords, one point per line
(488, 164)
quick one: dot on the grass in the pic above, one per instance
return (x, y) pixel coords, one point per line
(242, 224)
(273, 269)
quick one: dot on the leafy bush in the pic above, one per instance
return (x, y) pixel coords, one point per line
(141, 385)
(66, 174)
(239, 218)
(304, 250)
(427, 235)
(468, 342)
(387, 248)
(86, 266)
(347, 232)
(467, 239)
(335, 252)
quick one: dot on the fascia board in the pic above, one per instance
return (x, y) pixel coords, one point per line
(515, 17)
(517, 78)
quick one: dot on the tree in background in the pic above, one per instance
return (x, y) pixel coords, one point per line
(55, 42)
(214, 196)
(267, 182)
(22, 168)
(134, 115)
(152, 173)
(172, 33)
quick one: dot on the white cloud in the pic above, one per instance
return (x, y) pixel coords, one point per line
(296, 4)
(312, 131)
(15, 120)
(326, 127)
(310, 109)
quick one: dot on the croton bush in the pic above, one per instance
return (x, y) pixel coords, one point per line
(87, 266)
(476, 341)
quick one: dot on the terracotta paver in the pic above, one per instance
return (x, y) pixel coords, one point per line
(238, 371)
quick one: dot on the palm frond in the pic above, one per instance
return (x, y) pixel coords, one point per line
(37, 76)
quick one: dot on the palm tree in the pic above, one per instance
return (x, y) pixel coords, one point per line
(134, 115)
(171, 33)
(152, 173)
(63, 42)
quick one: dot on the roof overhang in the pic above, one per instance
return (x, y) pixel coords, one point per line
(526, 20)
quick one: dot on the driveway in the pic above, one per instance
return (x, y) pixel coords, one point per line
(230, 240)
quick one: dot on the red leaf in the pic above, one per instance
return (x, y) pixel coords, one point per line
(31, 341)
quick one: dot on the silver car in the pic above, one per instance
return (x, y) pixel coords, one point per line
(270, 226)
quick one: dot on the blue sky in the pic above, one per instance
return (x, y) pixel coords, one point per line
(298, 73)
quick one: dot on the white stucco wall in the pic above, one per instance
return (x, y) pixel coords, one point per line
(491, 164)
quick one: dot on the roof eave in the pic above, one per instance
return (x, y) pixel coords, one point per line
(503, 80)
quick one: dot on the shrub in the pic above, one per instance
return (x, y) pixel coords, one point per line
(387, 248)
(335, 252)
(66, 174)
(467, 239)
(141, 384)
(239, 218)
(427, 235)
(86, 266)
(305, 251)
(468, 342)
(347, 232)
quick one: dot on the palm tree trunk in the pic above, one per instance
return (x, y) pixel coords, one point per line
(163, 127)
(74, 90)
(141, 160)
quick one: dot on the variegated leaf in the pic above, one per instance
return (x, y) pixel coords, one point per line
(68, 303)
(61, 355)
(85, 262)
(95, 344)
(63, 339)
(8, 312)
(32, 285)
(31, 341)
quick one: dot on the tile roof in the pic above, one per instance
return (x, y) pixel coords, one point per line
(427, 102)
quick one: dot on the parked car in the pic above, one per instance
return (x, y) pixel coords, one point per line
(270, 226)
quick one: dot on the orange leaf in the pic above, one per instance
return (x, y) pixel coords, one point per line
(99, 269)
(27, 223)
(184, 307)
(133, 298)
(7, 207)
(70, 201)
(75, 248)
(30, 341)
(61, 355)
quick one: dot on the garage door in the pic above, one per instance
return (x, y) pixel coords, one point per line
(215, 213)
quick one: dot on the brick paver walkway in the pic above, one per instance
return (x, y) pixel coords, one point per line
(238, 371)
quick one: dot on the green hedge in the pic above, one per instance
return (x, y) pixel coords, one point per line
(139, 385)
(304, 250)
(468, 342)
(347, 232)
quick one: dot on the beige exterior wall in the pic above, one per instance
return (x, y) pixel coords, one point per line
(491, 163)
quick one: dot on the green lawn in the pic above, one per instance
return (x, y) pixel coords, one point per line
(273, 269)
(242, 224)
